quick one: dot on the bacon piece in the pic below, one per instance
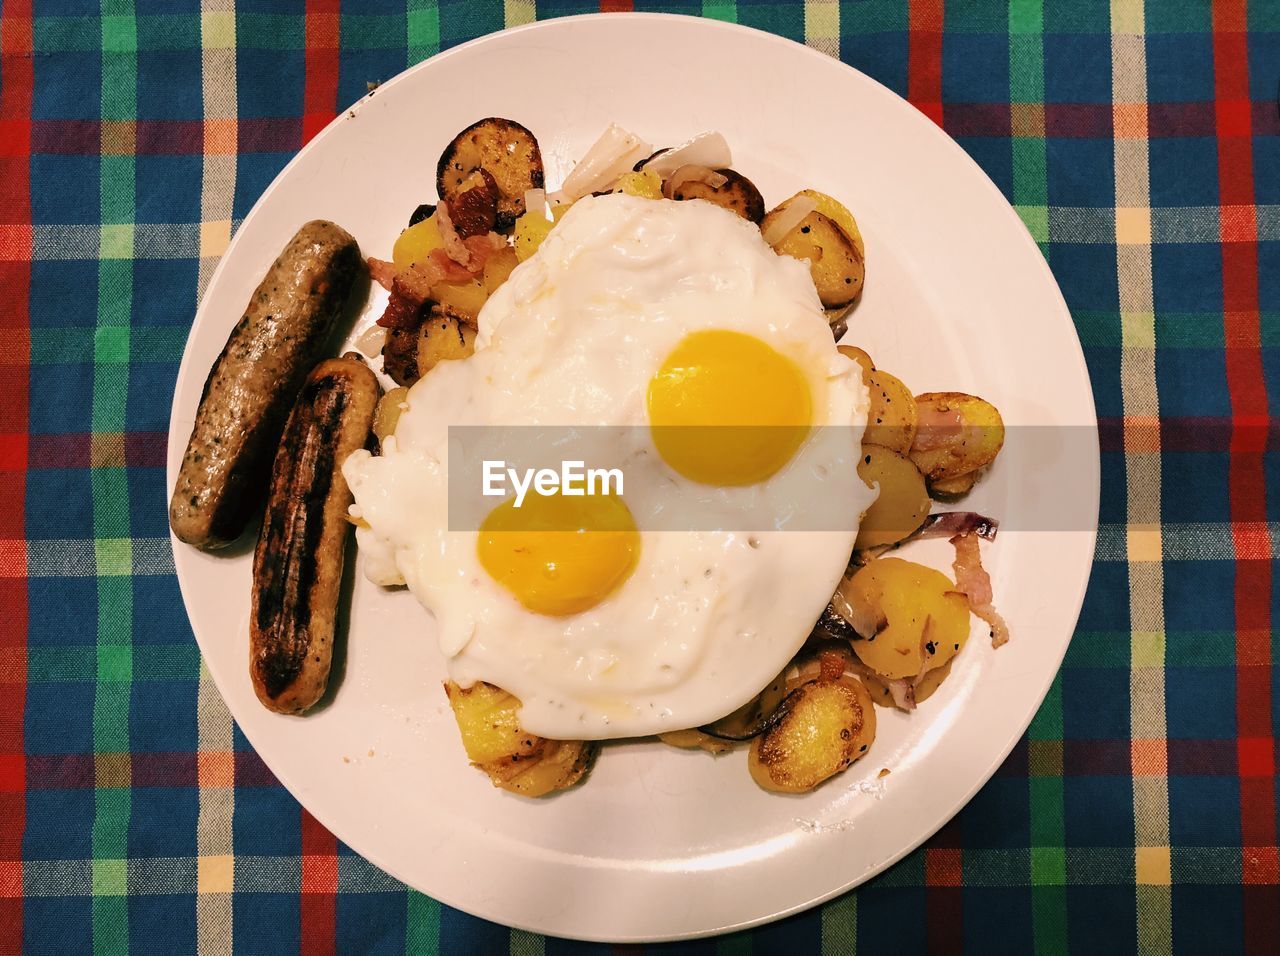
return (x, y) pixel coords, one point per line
(973, 580)
(382, 272)
(454, 247)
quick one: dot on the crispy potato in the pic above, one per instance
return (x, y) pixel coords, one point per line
(505, 150)
(464, 299)
(891, 420)
(387, 414)
(696, 740)
(926, 618)
(530, 230)
(498, 267)
(486, 717)
(834, 209)
(958, 434)
(825, 725)
(444, 337)
(556, 765)
(953, 489)
(738, 195)
(642, 185)
(520, 762)
(400, 355)
(474, 208)
(834, 261)
(859, 356)
(903, 503)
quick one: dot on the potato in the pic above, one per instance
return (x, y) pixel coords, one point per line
(444, 337)
(859, 356)
(953, 489)
(505, 150)
(931, 681)
(957, 434)
(464, 299)
(903, 503)
(642, 185)
(834, 261)
(696, 740)
(825, 726)
(416, 243)
(556, 765)
(387, 414)
(400, 355)
(486, 717)
(497, 267)
(514, 760)
(530, 230)
(738, 195)
(891, 420)
(926, 618)
(837, 211)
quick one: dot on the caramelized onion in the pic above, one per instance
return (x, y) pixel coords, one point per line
(691, 173)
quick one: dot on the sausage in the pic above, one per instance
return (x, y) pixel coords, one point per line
(252, 385)
(297, 566)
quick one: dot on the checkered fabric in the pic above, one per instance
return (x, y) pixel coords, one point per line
(1139, 142)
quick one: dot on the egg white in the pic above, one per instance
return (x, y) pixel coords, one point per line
(573, 338)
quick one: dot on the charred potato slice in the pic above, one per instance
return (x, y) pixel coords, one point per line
(445, 336)
(859, 356)
(958, 434)
(926, 618)
(557, 765)
(463, 299)
(738, 195)
(892, 418)
(695, 740)
(400, 355)
(486, 717)
(387, 414)
(505, 150)
(823, 727)
(903, 503)
(834, 209)
(953, 489)
(835, 263)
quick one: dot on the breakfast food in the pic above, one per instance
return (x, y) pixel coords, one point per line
(654, 301)
(297, 566)
(223, 478)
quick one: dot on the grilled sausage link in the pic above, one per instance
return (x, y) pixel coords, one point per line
(254, 382)
(297, 567)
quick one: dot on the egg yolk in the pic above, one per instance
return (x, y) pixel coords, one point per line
(560, 554)
(728, 409)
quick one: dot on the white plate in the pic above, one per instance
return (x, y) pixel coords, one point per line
(662, 843)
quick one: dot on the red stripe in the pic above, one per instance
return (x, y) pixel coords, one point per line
(320, 89)
(319, 902)
(1246, 483)
(924, 57)
(15, 287)
(616, 6)
(944, 903)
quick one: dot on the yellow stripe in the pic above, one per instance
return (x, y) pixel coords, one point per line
(517, 12)
(822, 26)
(1146, 577)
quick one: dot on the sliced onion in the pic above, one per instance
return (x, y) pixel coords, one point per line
(792, 215)
(691, 173)
(948, 524)
(613, 154)
(535, 199)
(371, 340)
(705, 149)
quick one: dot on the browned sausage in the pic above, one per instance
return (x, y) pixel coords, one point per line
(297, 567)
(223, 479)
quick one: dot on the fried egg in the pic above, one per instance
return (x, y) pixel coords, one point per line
(662, 322)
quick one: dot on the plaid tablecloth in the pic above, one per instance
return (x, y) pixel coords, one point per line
(1141, 146)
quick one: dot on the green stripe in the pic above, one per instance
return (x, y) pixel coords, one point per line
(840, 926)
(726, 10)
(422, 30)
(110, 488)
(526, 944)
(109, 345)
(1048, 831)
(735, 944)
(149, 663)
(1026, 86)
(421, 925)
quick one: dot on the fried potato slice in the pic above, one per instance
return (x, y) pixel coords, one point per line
(505, 150)
(903, 503)
(958, 433)
(738, 194)
(892, 418)
(835, 263)
(824, 726)
(445, 336)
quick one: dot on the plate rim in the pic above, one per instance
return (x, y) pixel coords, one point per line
(1076, 356)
